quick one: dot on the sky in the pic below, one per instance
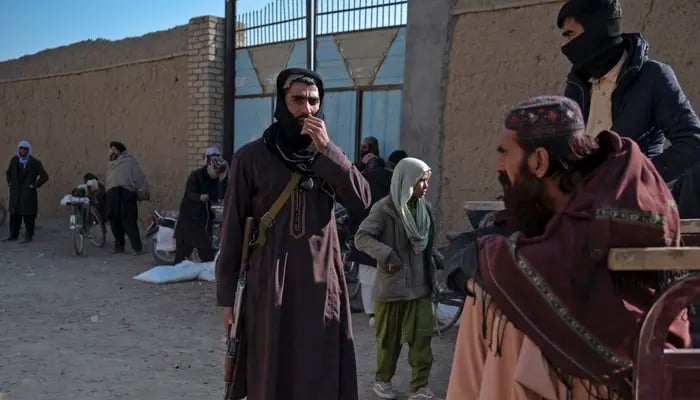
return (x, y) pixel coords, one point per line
(29, 26)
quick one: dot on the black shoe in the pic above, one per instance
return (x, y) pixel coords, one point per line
(26, 240)
(10, 239)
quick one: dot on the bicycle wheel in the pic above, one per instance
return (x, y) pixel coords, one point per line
(447, 308)
(78, 240)
(94, 229)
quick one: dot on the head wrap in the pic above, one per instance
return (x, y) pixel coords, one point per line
(595, 51)
(417, 224)
(396, 156)
(24, 160)
(284, 136)
(210, 151)
(118, 145)
(291, 130)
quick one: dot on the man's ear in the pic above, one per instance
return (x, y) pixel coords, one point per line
(539, 162)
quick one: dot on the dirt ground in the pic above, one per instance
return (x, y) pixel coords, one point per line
(82, 328)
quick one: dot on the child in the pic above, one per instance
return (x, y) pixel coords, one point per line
(399, 234)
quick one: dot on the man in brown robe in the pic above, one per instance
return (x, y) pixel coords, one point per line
(299, 340)
(549, 320)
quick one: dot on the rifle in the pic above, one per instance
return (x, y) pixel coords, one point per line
(235, 331)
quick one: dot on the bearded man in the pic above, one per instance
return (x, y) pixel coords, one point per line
(195, 220)
(549, 320)
(126, 185)
(298, 334)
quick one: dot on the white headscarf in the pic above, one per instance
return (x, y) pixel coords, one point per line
(24, 160)
(406, 174)
(210, 151)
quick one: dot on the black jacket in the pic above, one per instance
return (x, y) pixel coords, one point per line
(23, 184)
(648, 105)
(195, 218)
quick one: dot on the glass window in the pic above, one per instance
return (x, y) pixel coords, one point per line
(381, 118)
(391, 70)
(297, 58)
(252, 117)
(246, 78)
(339, 114)
(330, 64)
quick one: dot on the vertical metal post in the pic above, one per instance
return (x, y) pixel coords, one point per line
(229, 77)
(358, 122)
(311, 34)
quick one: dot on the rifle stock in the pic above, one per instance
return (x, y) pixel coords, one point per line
(235, 331)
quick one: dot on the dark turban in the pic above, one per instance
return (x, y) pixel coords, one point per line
(118, 145)
(284, 136)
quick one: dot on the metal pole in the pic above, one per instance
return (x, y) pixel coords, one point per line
(229, 77)
(310, 34)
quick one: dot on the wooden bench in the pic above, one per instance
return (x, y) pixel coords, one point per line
(664, 374)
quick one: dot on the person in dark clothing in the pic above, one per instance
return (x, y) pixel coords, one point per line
(25, 175)
(379, 179)
(394, 158)
(126, 185)
(369, 154)
(298, 333)
(619, 88)
(194, 224)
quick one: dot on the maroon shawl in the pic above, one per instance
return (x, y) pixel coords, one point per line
(557, 289)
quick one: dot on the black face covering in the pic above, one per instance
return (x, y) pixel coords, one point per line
(599, 48)
(591, 57)
(284, 137)
(291, 138)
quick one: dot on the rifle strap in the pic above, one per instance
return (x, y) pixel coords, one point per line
(268, 219)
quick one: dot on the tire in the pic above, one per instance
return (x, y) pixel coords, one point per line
(94, 230)
(162, 257)
(78, 241)
(447, 308)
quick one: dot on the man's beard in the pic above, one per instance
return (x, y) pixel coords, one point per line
(525, 202)
(113, 157)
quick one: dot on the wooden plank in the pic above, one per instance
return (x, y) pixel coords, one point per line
(483, 205)
(654, 259)
(690, 226)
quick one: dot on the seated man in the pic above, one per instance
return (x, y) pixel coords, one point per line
(549, 320)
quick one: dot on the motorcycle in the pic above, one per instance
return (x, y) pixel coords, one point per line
(161, 227)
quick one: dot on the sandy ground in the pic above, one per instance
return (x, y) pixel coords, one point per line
(82, 328)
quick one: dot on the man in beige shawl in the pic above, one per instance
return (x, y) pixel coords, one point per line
(398, 233)
(126, 185)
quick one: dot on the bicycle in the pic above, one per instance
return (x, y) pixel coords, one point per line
(85, 222)
(447, 304)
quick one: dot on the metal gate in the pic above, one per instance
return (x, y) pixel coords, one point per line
(358, 47)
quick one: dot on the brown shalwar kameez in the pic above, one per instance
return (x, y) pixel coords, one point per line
(298, 330)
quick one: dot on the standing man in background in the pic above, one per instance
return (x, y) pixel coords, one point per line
(25, 175)
(619, 88)
(126, 186)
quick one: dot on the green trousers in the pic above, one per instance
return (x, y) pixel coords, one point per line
(409, 322)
